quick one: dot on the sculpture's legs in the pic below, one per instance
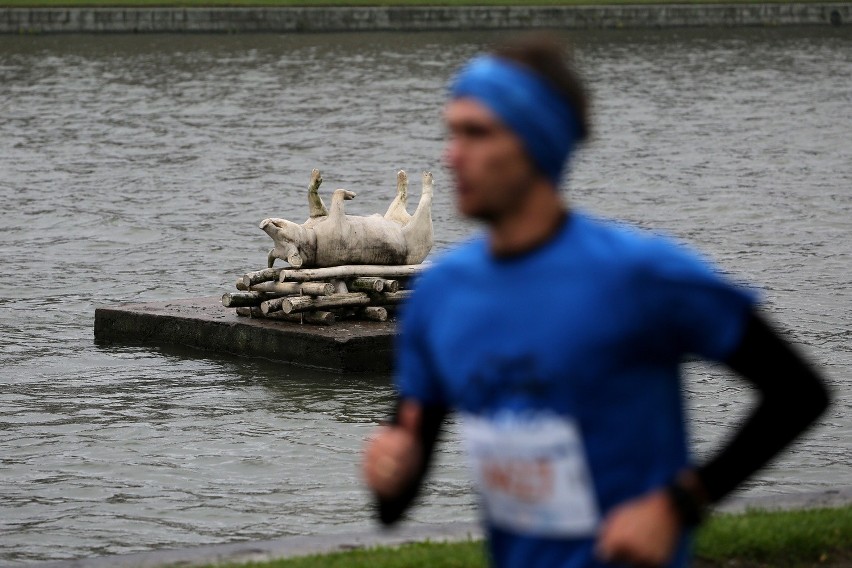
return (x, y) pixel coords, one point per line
(424, 207)
(397, 210)
(418, 231)
(315, 205)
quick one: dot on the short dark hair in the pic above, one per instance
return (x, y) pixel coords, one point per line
(550, 58)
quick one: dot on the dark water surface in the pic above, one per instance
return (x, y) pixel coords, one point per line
(137, 168)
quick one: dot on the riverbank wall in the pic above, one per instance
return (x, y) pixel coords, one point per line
(56, 20)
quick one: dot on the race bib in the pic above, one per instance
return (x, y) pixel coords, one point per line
(532, 474)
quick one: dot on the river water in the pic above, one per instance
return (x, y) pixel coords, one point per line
(136, 168)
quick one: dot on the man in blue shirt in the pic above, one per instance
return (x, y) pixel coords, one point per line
(558, 338)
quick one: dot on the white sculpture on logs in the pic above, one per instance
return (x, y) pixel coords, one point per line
(341, 266)
(332, 238)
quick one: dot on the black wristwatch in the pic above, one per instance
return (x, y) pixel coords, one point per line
(690, 510)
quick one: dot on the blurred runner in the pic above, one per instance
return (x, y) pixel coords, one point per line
(558, 338)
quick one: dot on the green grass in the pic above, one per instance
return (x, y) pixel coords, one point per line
(182, 3)
(780, 538)
(469, 554)
(793, 539)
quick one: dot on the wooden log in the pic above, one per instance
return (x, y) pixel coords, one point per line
(366, 284)
(351, 271)
(265, 275)
(314, 318)
(386, 298)
(391, 285)
(296, 304)
(242, 299)
(285, 303)
(374, 313)
(306, 288)
(371, 313)
(241, 285)
(316, 288)
(274, 305)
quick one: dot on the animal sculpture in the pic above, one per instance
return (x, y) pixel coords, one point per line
(331, 238)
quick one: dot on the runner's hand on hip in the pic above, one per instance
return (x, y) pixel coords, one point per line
(393, 455)
(642, 532)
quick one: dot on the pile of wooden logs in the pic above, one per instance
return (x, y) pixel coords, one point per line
(322, 296)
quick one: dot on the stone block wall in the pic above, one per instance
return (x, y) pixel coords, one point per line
(415, 18)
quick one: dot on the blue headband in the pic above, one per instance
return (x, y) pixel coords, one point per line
(527, 105)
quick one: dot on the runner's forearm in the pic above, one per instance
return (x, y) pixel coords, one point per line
(390, 510)
(792, 397)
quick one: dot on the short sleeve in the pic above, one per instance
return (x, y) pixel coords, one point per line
(695, 308)
(415, 375)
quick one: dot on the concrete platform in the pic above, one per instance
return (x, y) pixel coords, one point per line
(203, 323)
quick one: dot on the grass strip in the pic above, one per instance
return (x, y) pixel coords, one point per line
(781, 538)
(344, 3)
(466, 554)
(793, 539)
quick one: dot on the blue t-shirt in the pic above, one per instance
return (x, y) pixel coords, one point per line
(591, 326)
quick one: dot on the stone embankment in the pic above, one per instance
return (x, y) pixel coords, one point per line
(413, 18)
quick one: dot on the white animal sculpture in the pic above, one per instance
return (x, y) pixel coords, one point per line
(332, 238)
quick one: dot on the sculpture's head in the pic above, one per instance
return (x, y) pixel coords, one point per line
(292, 241)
